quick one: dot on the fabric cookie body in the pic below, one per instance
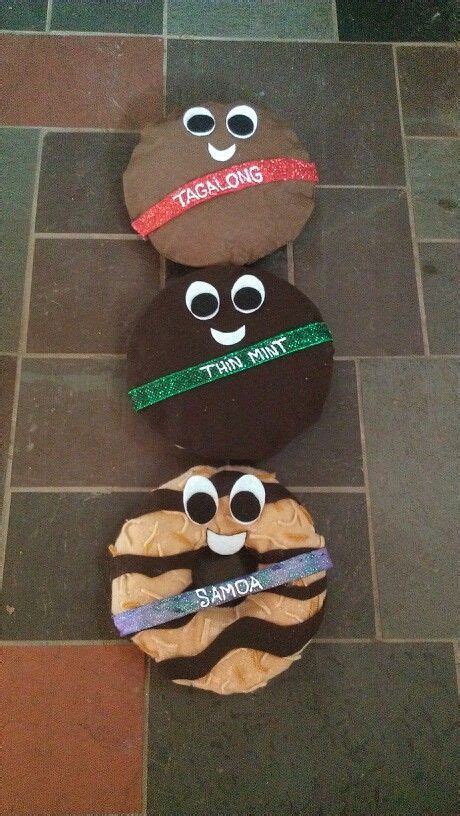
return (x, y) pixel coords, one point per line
(215, 164)
(207, 527)
(256, 409)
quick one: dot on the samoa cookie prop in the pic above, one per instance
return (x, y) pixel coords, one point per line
(223, 583)
(219, 184)
(230, 365)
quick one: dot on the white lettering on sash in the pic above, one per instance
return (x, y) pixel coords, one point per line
(204, 600)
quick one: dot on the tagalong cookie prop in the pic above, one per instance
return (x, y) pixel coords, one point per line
(230, 365)
(223, 583)
(219, 184)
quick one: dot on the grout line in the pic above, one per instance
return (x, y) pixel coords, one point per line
(37, 355)
(375, 585)
(410, 207)
(417, 640)
(335, 23)
(430, 138)
(145, 747)
(21, 349)
(165, 52)
(49, 11)
(326, 489)
(438, 240)
(327, 640)
(7, 354)
(90, 236)
(456, 647)
(290, 262)
(65, 129)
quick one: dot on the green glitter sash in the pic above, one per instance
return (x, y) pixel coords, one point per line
(234, 362)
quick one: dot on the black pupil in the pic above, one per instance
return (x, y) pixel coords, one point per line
(200, 123)
(245, 506)
(241, 125)
(201, 508)
(248, 298)
(204, 304)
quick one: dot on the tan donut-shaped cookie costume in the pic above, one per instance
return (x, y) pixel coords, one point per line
(208, 526)
(210, 156)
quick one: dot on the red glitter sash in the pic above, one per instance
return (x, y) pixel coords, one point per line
(222, 182)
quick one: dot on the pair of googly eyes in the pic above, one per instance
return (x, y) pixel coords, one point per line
(247, 499)
(241, 121)
(203, 300)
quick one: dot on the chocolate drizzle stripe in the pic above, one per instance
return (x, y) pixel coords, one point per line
(245, 633)
(272, 556)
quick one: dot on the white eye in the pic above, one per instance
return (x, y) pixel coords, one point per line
(199, 121)
(202, 300)
(247, 499)
(200, 499)
(248, 294)
(242, 121)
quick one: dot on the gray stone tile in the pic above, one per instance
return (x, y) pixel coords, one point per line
(355, 261)
(428, 82)
(410, 424)
(433, 168)
(361, 730)
(340, 99)
(439, 264)
(76, 427)
(329, 452)
(342, 519)
(7, 380)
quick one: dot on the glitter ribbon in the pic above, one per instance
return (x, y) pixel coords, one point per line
(222, 182)
(178, 606)
(234, 362)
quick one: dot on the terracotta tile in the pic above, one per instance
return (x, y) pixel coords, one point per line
(76, 426)
(81, 182)
(354, 259)
(78, 81)
(87, 295)
(73, 726)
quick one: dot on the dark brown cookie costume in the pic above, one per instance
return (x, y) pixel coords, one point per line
(251, 414)
(238, 228)
(191, 539)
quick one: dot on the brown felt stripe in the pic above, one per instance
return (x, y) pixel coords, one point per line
(302, 593)
(272, 556)
(245, 633)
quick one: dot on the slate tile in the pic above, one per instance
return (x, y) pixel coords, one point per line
(18, 158)
(329, 452)
(76, 427)
(98, 81)
(72, 718)
(7, 380)
(439, 265)
(417, 21)
(340, 100)
(410, 424)
(125, 16)
(275, 263)
(342, 519)
(81, 182)
(354, 259)
(64, 536)
(433, 167)
(87, 295)
(22, 15)
(253, 19)
(358, 729)
(427, 79)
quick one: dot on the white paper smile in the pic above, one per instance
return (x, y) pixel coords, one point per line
(225, 544)
(229, 338)
(221, 155)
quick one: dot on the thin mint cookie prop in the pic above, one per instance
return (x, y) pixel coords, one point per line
(219, 184)
(223, 583)
(230, 365)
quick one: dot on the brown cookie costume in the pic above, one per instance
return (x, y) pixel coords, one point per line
(209, 526)
(252, 403)
(227, 184)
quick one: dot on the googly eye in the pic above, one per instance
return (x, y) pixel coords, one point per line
(248, 294)
(247, 499)
(200, 499)
(242, 121)
(202, 300)
(199, 121)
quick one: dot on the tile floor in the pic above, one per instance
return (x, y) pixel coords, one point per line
(364, 724)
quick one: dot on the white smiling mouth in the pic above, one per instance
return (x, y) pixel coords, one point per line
(225, 544)
(221, 155)
(229, 338)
